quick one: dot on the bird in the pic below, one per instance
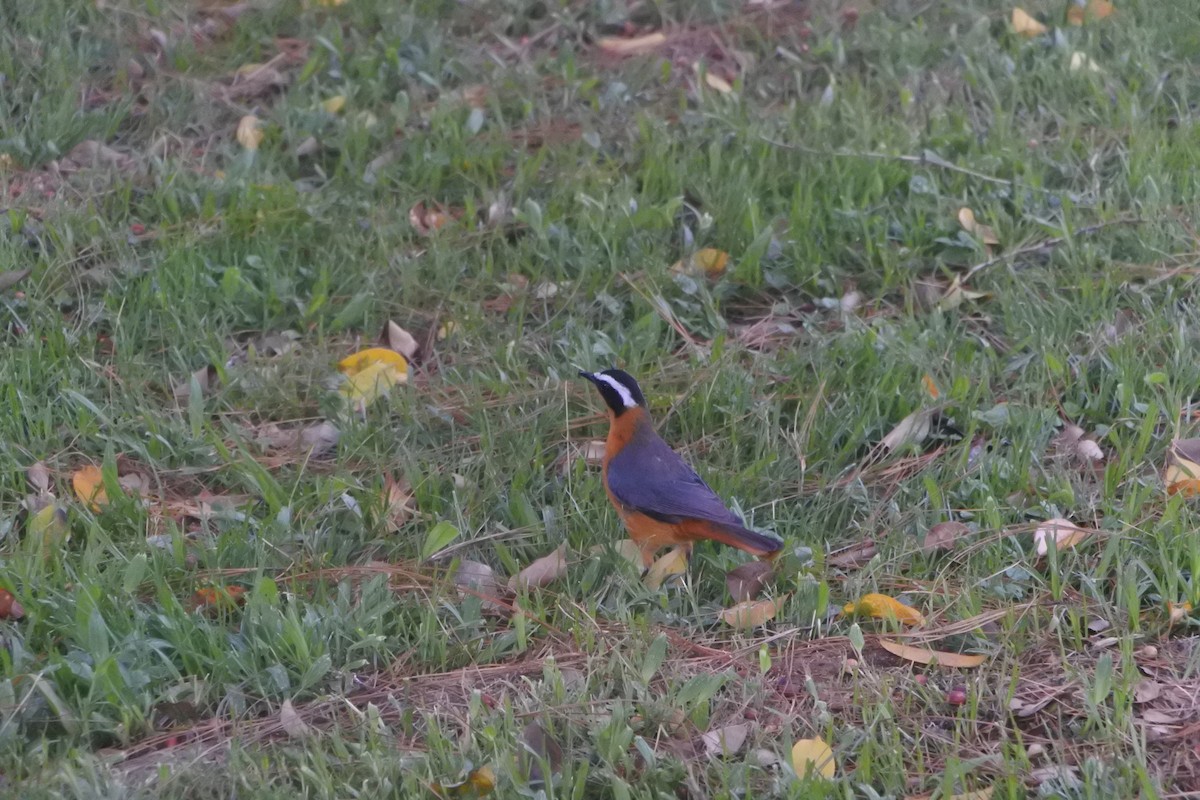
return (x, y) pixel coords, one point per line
(658, 496)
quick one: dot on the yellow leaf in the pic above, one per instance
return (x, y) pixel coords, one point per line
(882, 606)
(1078, 12)
(365, 387)
(446, 330)
(1178, 612)
(1081, 61)
(1064, 533)
(478, 784)
(1026, 25)
(715, 81)
(708, 261)
(930, 386)
(1183, 468)
(88, 484)
(673, 563)
(752, 613)
(966, 218)
(48, 529)
(813, 754)
(631, 47)
(249, 134)
(353, 364)
(335, 104)
(921, 655)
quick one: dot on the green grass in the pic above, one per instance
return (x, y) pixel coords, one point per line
(810, 176)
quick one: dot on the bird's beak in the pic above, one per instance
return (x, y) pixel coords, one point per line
(589, 375)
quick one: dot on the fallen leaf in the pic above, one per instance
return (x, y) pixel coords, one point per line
(881, 606)
(813, 754)
(13, 277)
(479, 580)
(943, 536)
(214, 599)
(249, 132)
(752, 613)
(673, 563)
(746, 581)
(725, 741)
(399, 340)
(205, 378)
(48, 528)
(428, 219)
(715, 81)
(985, 234)
(370, 374)
(1178, 612)
(291, 723)
(335, 104)
(922, 655)
(1082, 61)
(478, 783)
(707, 261)
(931, 388)
(854, 556)
(543, 572)
(38, 476)
(306, 148)
(1183, 468)
(317, 439)
(1156, 717)
(1070, 444)
(398, 503)
(88, 483)
(1146, 691)
(1078, 12)
(1026, 25)
(632, 47)
(956, 294)
(911, 430)
(1064, 533)
(540, 750)
(9, 607)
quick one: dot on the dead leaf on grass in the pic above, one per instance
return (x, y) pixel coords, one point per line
(254, 81)
(708, 261)
(673, 563)
(401, 341)
(291, 722)
(91, 154)
(635, 46)
(478, 783)
(478, 579)
(1078, 11)
(943, 536)
(1146, 691)
(249, 132)
(398, 504)
(427, 220)
(882, 606)
(371, 374)
(214, 599)
(13, 277)
(1064, 533)
(540, 750)
(1183, 468)
(956, 294)
(38, 476)
(1081, 61)
(752, 613)
(746, 581)
(814, 755)
(1071, 444)
(1025, 25)
(543, 572)
(854, 556)
(985, 234)
(724, 742)
(88, 483)
(923, 655)
(913, 429)
(205, 379)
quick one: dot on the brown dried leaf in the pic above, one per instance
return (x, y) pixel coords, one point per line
(985, 234)
(1026, 25)
(943, 536)
(724, 742)
(854, 556)
(1065, 534)
(673, 563)
(638, 45)
(13, 277)
(206, 378)
(254, 81)
(398, 503)
(911, 430)
(752, 613)
(9, 607)
(746, 581)
(38, 476)
(540, 750)
(1183, 468)
(543, 572)
(291, 722)
(921, 655)
(400, 340)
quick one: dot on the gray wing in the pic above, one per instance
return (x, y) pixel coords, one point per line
(650, 477)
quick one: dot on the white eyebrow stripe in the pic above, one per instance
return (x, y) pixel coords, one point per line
(626, 396)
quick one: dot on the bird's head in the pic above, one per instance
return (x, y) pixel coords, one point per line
(618, 388)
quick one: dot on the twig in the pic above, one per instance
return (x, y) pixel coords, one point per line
(926, 159)
(1047, 245)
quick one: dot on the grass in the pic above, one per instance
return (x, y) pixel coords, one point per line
(835, 169)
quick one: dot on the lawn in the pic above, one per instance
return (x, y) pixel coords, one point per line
(907, 282)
